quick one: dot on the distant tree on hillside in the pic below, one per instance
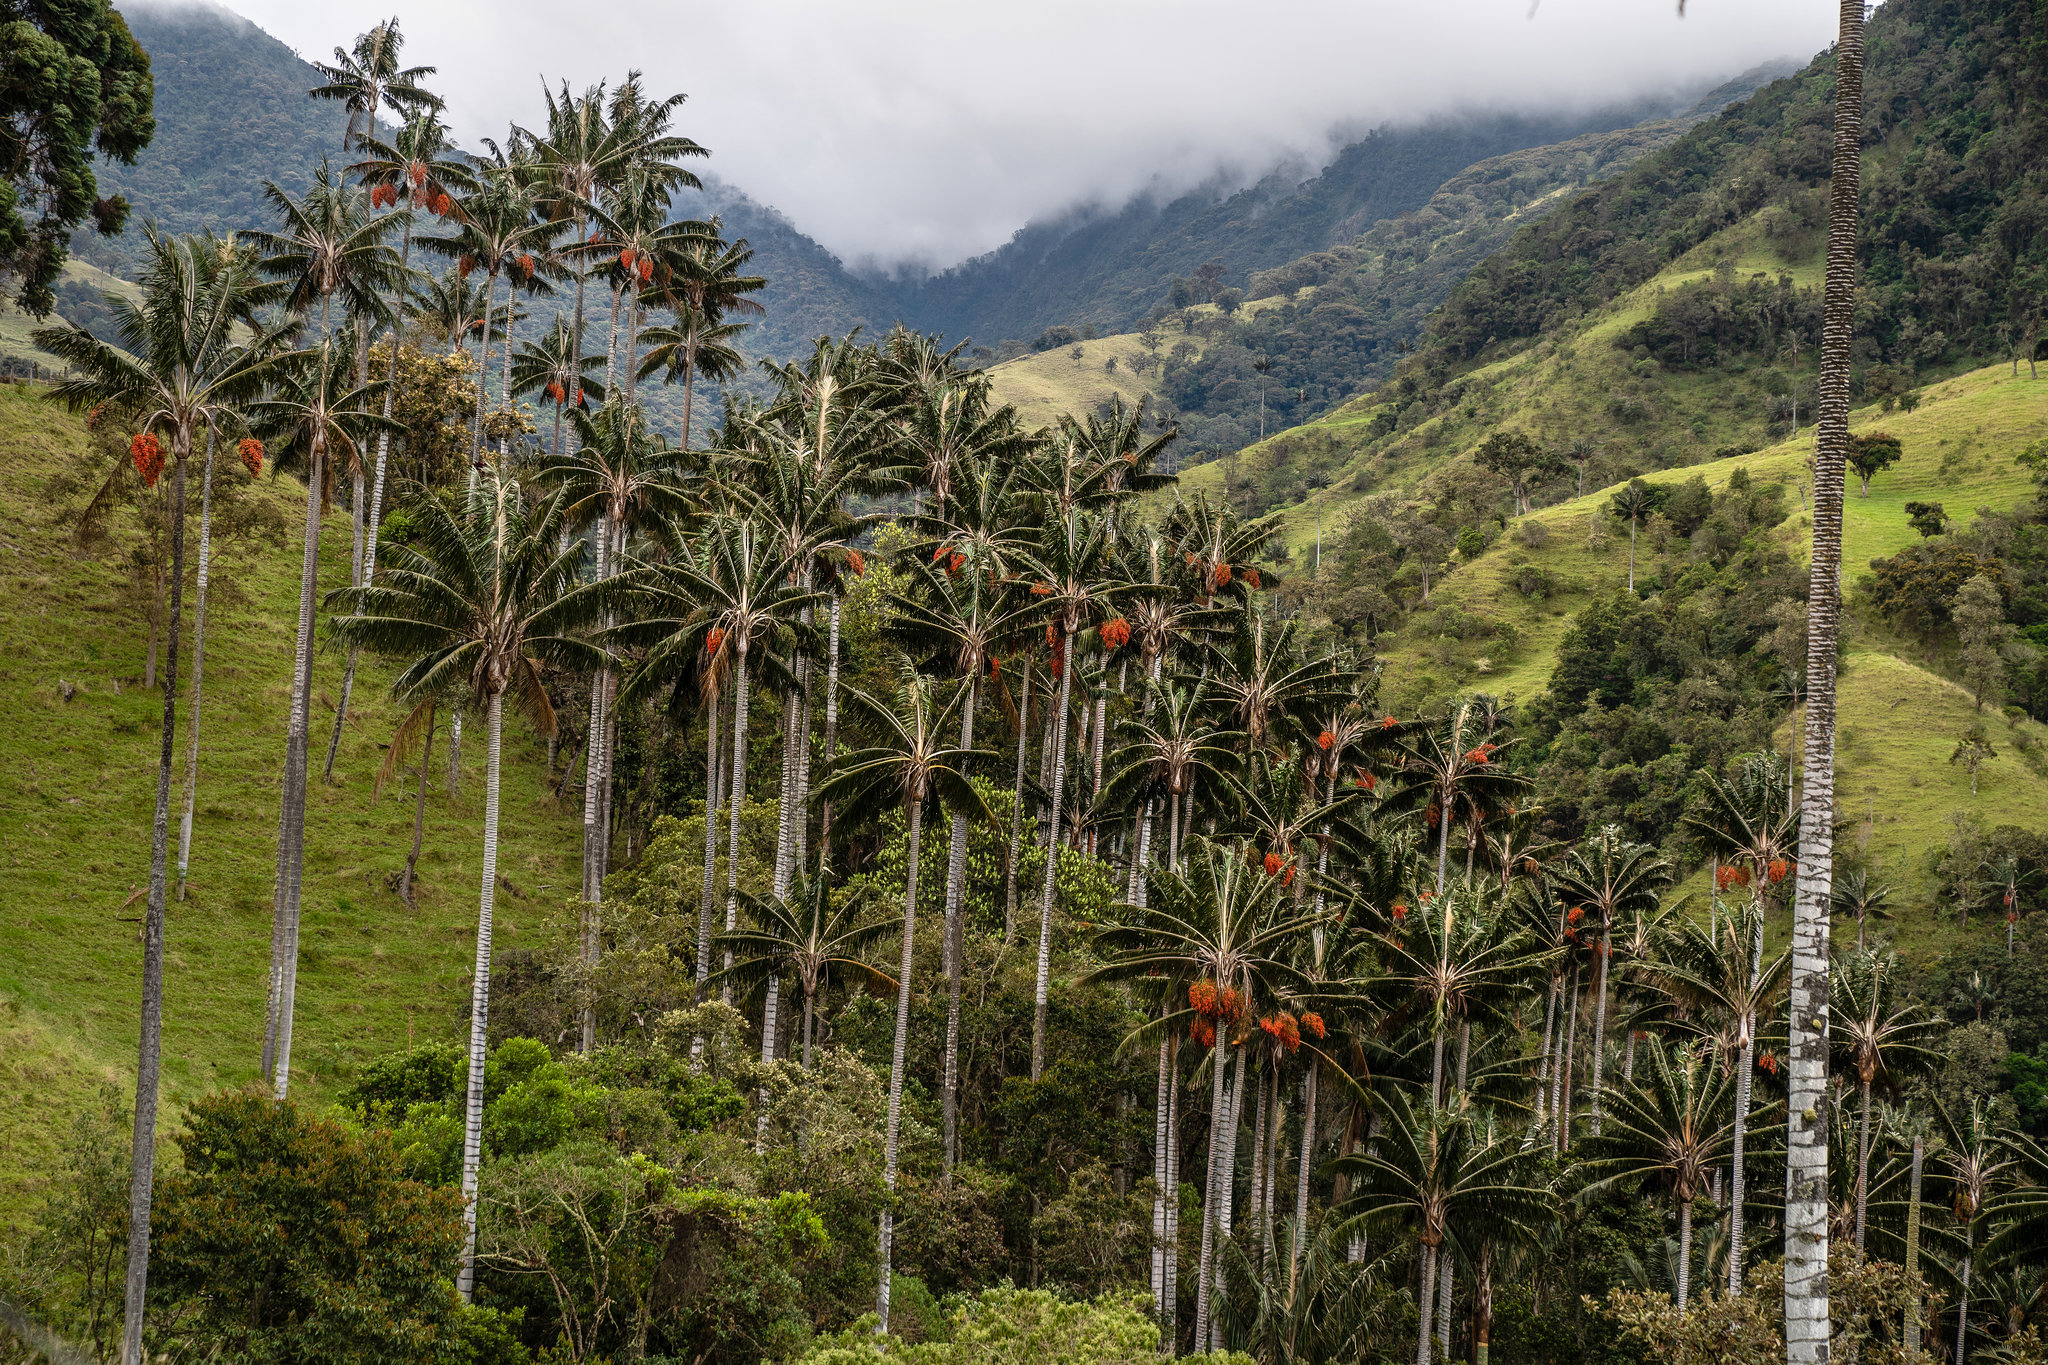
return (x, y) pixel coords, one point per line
(1635, 501)
(1871, 452)
(1973, 749)
(1927, 518)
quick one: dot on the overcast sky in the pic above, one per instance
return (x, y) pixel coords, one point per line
(930, 130)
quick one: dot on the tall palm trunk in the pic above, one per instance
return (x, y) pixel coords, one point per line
(738, 803)
(1159, 1164)
(1052, 861)
(375, 511)
(1562, 1100)
(1743, 1079)
(1212, 1200)
(1543, 1066)
(362, 553)
(419, 809)
(1599, 1041)
(828, 747)
(1172, 1275)
(714, 731)
(1913, 1249)
(1863, 1170)
(1308, 1137)
(1016, 816)
(1226, 1190)
(291, 837)
(1482, 1311)
(1425, 1302)
(689, 384)
(198, 660)
(480, 1000)
(596, 774)
(1806, 1151)
(888, 1224)
(149, 1052)
(1684, 1252)
(1963, 1286)
(955, 945)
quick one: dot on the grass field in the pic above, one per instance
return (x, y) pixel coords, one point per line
(77, 792)
(15, 325)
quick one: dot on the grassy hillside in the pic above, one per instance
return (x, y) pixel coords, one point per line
(1899, 719)
(77, 793)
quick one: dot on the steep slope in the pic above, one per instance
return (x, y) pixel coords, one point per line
(77, 794)
(231, 113)
(1900, 717)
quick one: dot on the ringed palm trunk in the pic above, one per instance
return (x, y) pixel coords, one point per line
(1169, 1336)
(359, 559)
(480, 1000)
(1308, 1137)
(198, 661)
(1600, 1022)
(1863, 1168)
(714, 730)
(738, 802)
(956, 896)
(291, 839)
(827, 748)
(1743, 1080)
(1052, 861)
(149, 1053)
(1963, 1289)
(1913, 1249)
(596, 774)
(1684, 1250)
(1807, 1325)
(367, 551)
(1159, 1165)
(1212, 1199)
(1226, 1193)
(1016, 816)
(888, 1223)
(1425, 1333)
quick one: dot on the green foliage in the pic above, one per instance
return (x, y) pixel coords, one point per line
(74, 83)
(285, 1237)
(1007, 1326)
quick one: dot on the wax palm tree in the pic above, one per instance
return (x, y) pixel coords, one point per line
(1170, 750)
(1806, 1259)
(1224, 925)
(451, 305)
(329, 247)
(1855, 894)
(910, 762)
(725, 609)
(953, 613)
(619, 478)
(1636, 500)
(2006, 883)
(550, 366)
(416, 167)
(1434, 1167)
(1722, 986)
(1260, 676)
(181, 365)
(1070, 574)
(1973, 1162)
(704, 286)
(501, 233)
(1456, 959)
(1611, 876)
(1673, 1126)
(1449, 762)
(588, 144)
(368, 77)
(479, 602)
(1217, 547)
(808, 933)
(639, 248)
(1877, 1034)
(314, 413)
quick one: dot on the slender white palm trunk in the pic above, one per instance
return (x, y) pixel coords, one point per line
(1052, 860)
(198, 661)
(1159, 1162)
(738, 762)
(1017, 816)
(1308, 1137)
(1212, 1200)
(888, 1222)
(480, 1001)
(954, 951)
(149, 1052)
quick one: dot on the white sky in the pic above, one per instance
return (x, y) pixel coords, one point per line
(920, 130)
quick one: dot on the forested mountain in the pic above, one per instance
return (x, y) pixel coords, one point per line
(231, 113)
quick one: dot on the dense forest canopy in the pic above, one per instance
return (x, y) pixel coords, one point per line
(1024, 911)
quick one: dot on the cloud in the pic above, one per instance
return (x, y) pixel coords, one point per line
(930, 130)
